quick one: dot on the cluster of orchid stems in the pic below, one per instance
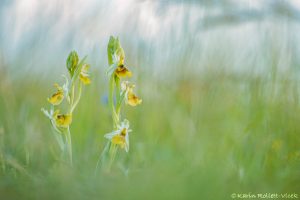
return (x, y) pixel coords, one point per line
(119, 92)
(67, 96)
(64, 101)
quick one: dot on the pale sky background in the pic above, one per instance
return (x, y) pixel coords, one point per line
(38, 34)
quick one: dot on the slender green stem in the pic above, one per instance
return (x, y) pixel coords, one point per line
(58, 136)
(72, 93)
(73, 104)
(115, 116)
(118, 88)
(111, 101)
(78, 98)
(112, 155)
(118, 97)
(69, 145)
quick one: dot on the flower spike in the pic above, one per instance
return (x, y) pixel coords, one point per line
(70, 91)
(118, 93)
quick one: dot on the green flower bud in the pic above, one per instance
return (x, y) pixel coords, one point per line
(114, 48)
(72, 62)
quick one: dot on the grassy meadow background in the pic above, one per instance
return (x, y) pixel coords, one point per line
(220, 87)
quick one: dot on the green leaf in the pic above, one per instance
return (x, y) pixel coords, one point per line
(111, 49)
(119, 52)
(111, 69)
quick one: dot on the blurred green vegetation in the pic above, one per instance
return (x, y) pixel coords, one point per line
(201, 136)
(220, 87)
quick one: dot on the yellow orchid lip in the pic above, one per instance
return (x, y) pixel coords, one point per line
(57, 97)
(119, 140)
(84, 79)
(132, 99)
(62, 120)
(122, 71)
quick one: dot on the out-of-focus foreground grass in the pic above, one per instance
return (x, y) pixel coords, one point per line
(200, 137)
